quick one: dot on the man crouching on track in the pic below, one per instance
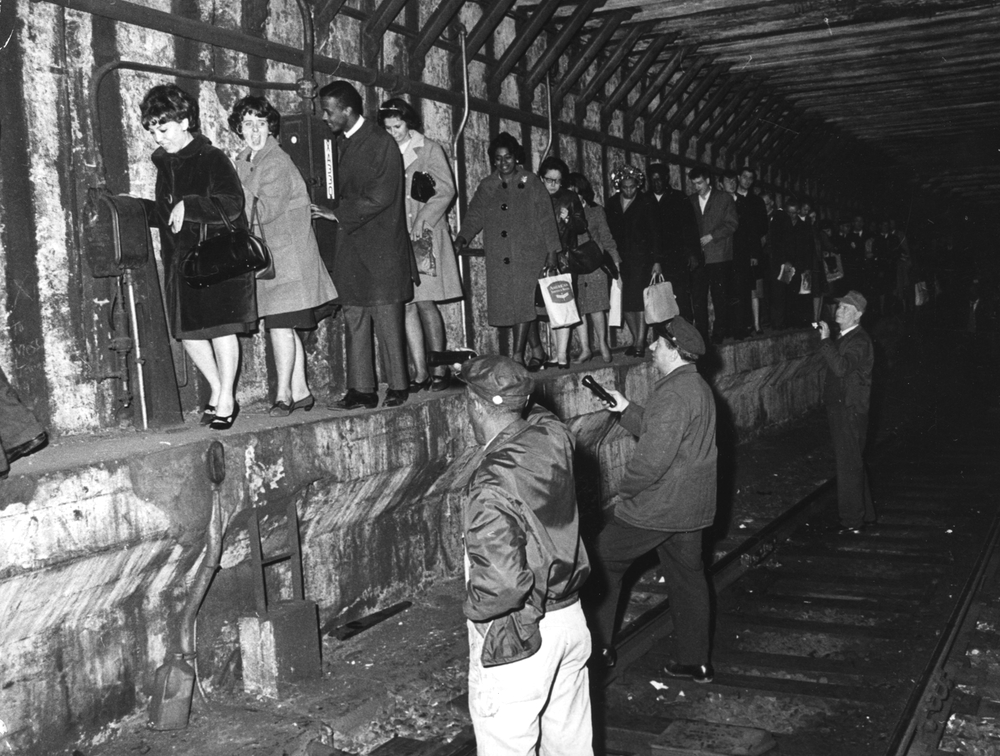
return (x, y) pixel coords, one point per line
(525, 564)
(667, 499)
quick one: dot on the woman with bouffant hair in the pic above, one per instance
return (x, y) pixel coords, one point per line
(287, 302)
(195, 184)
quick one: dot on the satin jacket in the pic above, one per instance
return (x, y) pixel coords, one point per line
(523, 549)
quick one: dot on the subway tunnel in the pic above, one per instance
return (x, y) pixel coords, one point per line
(884, 110)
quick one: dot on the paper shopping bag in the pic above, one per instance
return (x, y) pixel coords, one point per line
(560, 304)
(806, 286)
(658, 300)
(615, 312)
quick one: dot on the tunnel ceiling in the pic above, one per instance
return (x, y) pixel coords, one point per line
(903, 90)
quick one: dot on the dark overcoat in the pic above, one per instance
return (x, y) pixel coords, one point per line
(636, 234)
(374, 263)
(195, 175)
(519, 232)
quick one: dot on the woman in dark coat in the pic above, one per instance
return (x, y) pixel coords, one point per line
(195, 183)
(571, 222)
(513, 210)
(631, 217)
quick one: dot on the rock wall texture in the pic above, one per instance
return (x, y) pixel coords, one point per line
(97, 559)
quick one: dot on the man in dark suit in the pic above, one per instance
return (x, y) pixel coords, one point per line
(846, 393)
(680, 252)
(715, 212)
(374, 267)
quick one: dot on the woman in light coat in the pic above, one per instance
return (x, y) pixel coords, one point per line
(301, 282)
(426, 222)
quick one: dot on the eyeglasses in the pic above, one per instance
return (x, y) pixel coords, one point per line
(254, 125)
(553, 181)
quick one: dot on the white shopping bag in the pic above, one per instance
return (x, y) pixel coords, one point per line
(560, 304)
(659, 302)
(920, 296)
(806, 286)
(615, 313)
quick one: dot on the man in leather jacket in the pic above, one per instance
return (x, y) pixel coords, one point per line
(667, 498)
(525, 564)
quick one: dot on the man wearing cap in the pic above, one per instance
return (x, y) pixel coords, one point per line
(525, 564)
(667, 497)
(846, 393)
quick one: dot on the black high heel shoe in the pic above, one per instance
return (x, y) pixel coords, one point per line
(220, 423)
(423, 385)
(207, 415)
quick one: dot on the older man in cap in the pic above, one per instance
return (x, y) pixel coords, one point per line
(846, 393)
(667, 497)
(525, 564)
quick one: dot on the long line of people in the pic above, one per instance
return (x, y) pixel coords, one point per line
(736, 262)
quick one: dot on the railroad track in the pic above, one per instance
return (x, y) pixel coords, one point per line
(826, 643)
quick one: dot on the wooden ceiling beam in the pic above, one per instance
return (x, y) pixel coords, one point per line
(712, 103)
(435, 25)
(671, 96)
(755, 107)
(486, 25)
(746, 106)
(558, 45)
(674, 121)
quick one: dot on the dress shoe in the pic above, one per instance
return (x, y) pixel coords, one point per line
(423, 385)
(280, 409)
(306, 403)
(700, 673)
(440, 382)
(552, 365)
(395, 397)
(28, 447)
(355, 399)
(207, 415)
(605, 656)
(221, 423)
(534, 364)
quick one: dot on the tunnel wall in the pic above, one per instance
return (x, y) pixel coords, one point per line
(62, 322)
(96, 559)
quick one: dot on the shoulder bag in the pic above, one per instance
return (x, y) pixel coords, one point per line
(423, 186)
(234, 252)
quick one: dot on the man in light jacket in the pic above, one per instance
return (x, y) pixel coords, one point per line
(717, 222)
(667, 499)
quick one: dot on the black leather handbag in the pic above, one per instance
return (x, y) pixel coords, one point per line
(264, 274)
(423, 186)
(585, 258)
(234, 252)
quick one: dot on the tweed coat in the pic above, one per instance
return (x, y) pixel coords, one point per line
(300, 279)
(425, 155)
(592, 288)
(637, 236)
(519, 232)
(373, 263)
(720, 220)
(194, 175)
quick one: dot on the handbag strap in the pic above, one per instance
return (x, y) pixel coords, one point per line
(203, 233)
(656, 278)
(255, 221)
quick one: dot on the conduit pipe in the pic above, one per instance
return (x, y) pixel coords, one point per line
(198, 31)
(463, 262)
(548, 98)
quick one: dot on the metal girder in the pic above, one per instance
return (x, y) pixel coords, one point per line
(325, 11)
(436, 24)
(522, 41)
(677, 90)
(560, 43)
(683, 108)
(373, 29)
(596, 84)
(591, 50)
(659, 81)
(721, 92)
(748, 103)
(486, 25)
(627, 84)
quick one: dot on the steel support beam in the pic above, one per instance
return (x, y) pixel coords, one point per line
(658, 83)
(558, 45)
(611, 65)
(591, 50)
(649, 56)
(436, 24)
(524, 39)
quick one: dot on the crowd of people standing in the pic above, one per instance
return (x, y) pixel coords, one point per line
(735, 261)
